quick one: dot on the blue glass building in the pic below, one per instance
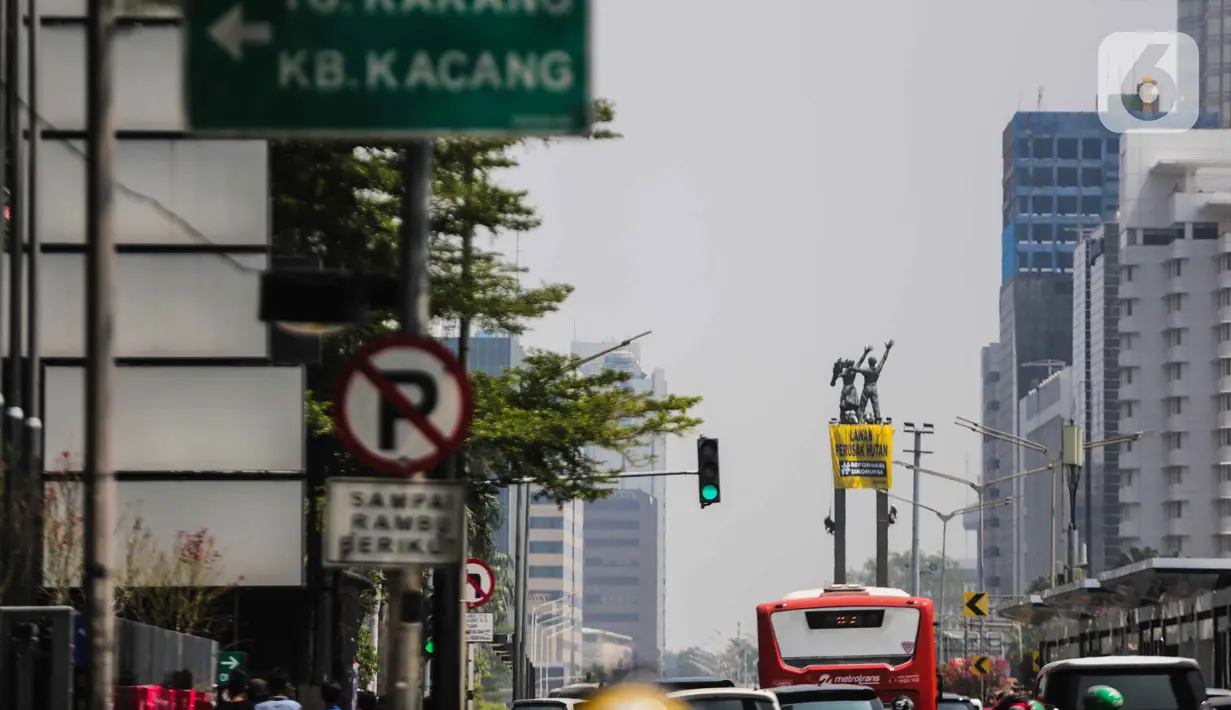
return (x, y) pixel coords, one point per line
(1061, 174)
(492, 354)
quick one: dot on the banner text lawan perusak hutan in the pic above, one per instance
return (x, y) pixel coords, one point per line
(862, 455)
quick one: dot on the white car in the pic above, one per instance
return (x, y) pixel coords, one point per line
(727, 699)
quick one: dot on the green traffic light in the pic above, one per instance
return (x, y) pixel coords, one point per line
(709, 492)
(429, 647)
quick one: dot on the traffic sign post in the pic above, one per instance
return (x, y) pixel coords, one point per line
(391, 523)
(387, 68)
(981, 665)
(480, 628)
(975, 605)
(480, 583)
(228, 663)
(403, 404)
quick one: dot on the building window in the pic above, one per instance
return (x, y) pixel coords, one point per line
(1128, 511)
(1067, 205)
(547, 571)
(1222, 437)
(546, 547)
(612, 524)
(556, 523)
(1175, 475)
(1175, 509)
(1224, 402)
(1126, 306)
(1126, 479)
(1224, 262)
(1175, 439)
(1224, 367)
(1174, 337)
(1224, 332)
(1091, 177)
(1091, 149)
(1174, 302)
(1174, 406)
(614, 618)
(612, 542)
(1224, 297)
(595, 581)
(1126, 409)
(1126, 375)
(1174, 371)
(1042, 147)
(1066, 148)
(1175, 268)
(1126, 273)
(1066, 177)
(1126, 341)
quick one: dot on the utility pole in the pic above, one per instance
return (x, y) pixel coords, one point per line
(839, 535)
(99, 473)
(919, 432)
(32, 446)
(406, 598)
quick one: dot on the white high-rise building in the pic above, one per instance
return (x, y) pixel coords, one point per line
(625, 536)
(1175, 342)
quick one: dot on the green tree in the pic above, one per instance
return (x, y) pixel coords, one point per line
(930, 567)
(339, 205)
(695, 661)
(1040, 584)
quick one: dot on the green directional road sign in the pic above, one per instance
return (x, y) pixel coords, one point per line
(229, 661)
(387, 68)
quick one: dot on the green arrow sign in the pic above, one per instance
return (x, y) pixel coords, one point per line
(229, 661)
(387, 68)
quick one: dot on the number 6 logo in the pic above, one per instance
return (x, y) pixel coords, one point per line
(1149, 82)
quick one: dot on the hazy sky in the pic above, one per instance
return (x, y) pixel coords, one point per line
(800, 178)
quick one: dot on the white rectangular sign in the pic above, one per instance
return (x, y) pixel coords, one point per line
(394, 522)
(480, 628)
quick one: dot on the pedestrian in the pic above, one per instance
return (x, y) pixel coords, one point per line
(331, 694)
(279, 686)
(258, 690)
(235, 695)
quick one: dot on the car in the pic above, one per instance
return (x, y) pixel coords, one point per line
(829, 696)
(953, 701)
(727, 699)
(1146, 682)
(673, 684)
(548, 704)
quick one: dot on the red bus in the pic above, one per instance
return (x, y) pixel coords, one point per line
(851, 634)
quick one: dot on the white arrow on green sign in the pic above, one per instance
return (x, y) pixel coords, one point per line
(228, 661)
(387, 68)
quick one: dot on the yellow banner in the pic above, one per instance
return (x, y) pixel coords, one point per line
(862, 455)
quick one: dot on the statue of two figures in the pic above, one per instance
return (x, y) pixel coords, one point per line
(853, 406)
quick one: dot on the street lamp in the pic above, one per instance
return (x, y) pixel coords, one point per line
(1071, 455)
(980, 489)
(944, 526)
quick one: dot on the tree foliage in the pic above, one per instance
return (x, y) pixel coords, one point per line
(1139, 554)
(930, 567)
(339, 205)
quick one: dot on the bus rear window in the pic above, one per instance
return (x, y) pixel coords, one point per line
(850, 635)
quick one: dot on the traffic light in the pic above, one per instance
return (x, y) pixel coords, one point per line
(502, 644)
(709, 490)
(429, 627)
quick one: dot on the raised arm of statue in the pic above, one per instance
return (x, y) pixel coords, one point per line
(863, 357)
(884, 358)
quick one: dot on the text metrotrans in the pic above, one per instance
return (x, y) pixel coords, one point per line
(849, 634)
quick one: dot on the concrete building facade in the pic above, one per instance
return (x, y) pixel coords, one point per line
(1175, 342)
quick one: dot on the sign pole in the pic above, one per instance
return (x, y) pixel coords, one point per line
(406, 599)
(839, 535)
(99, 474)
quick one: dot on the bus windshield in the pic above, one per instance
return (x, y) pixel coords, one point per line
(846, 635)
